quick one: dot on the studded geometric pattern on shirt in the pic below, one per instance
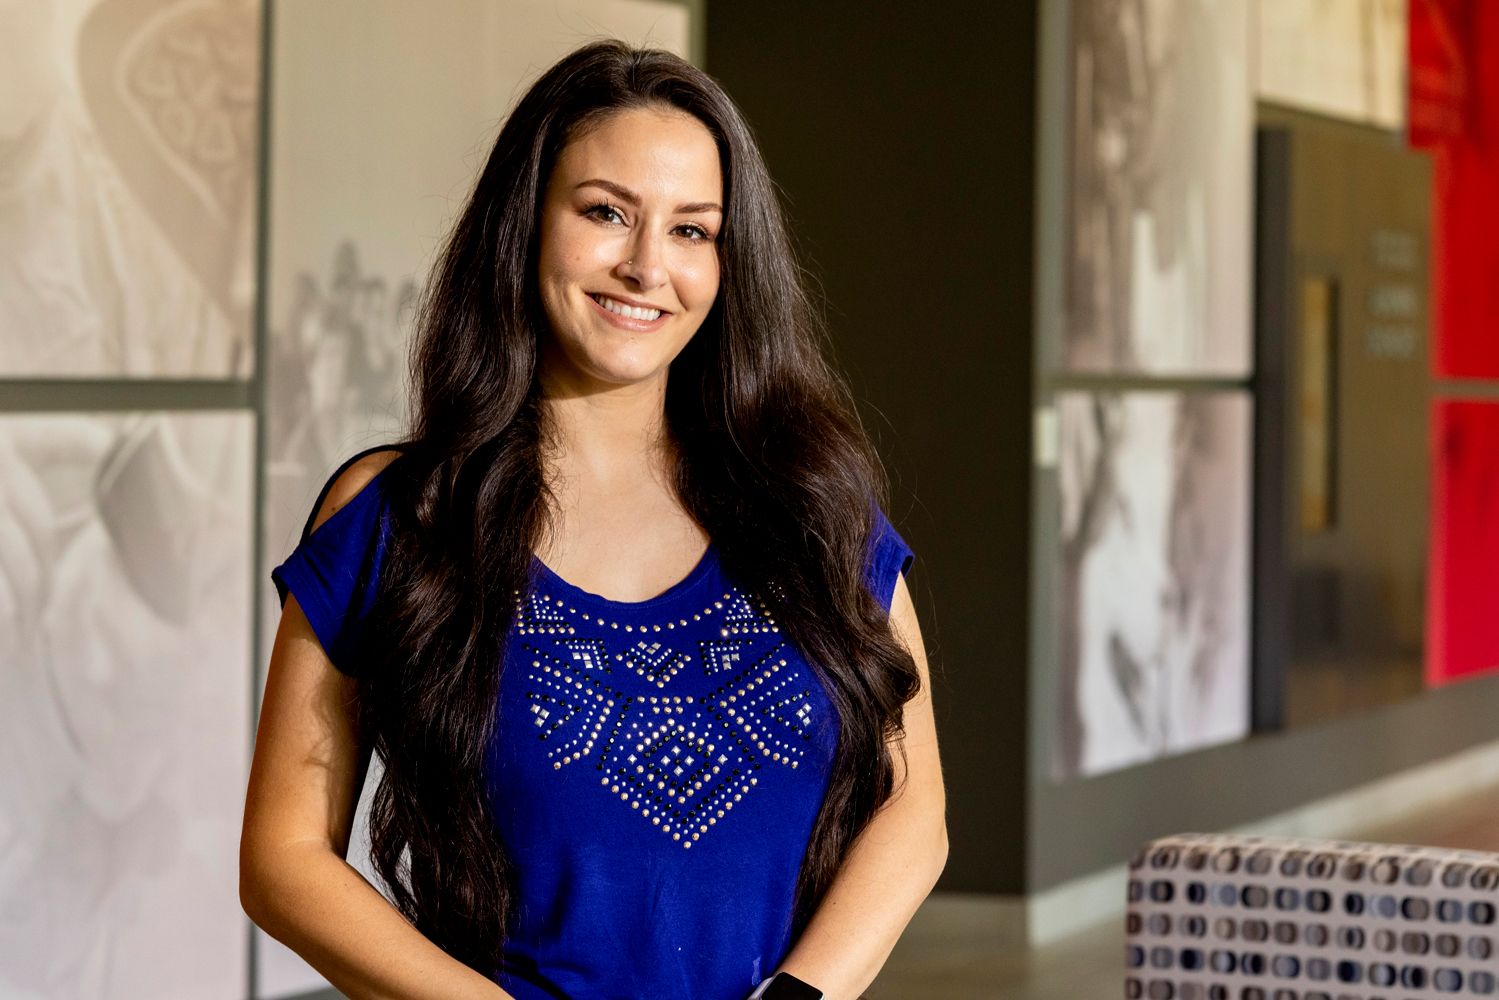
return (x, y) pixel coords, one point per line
(568, 704)
(540, 614)
(740, 619)
(681, 762)
(653, 661)
(772, 705)
(723, 655)
(590, 654)
(678, 769)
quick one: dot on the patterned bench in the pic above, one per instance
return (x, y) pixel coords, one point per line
(1222, 917)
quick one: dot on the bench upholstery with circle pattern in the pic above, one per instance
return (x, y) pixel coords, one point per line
(1225, 917)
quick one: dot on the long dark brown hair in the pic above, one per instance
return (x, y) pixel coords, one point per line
(772, 462)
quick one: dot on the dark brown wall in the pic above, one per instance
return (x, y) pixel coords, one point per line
(902, 136)
(905, 142)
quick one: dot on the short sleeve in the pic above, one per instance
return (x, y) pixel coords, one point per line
(888, 557)
(334, 571)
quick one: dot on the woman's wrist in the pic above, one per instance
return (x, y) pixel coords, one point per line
(785, 986)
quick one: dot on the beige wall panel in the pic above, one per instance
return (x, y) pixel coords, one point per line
(1345, 58)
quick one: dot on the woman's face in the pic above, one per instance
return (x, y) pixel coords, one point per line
(630, 220)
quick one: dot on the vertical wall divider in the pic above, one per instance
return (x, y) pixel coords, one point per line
(1270, 612)
(258, 395)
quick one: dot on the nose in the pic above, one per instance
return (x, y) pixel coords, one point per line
(644, 265)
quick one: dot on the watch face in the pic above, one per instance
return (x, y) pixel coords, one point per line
(787, 987)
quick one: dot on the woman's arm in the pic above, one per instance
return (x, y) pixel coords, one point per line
(894, 862)
(299, 809)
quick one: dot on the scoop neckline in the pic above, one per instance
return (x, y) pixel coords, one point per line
(685, 585)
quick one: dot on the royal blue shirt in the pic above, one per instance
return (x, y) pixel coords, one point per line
(657, 769)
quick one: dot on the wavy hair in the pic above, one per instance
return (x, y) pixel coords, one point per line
(772, 462)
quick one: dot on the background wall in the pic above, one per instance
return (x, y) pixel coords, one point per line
(902, 138)
(923, 157)
(1082, 826)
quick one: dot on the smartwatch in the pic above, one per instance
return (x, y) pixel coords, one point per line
(785, 986)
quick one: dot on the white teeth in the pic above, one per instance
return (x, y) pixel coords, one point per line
(628, 311)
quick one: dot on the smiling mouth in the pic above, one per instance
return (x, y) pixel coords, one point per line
(627, 311)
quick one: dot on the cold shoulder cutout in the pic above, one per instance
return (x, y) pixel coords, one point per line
(335, 568)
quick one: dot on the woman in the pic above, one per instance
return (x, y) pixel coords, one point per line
(579, 607)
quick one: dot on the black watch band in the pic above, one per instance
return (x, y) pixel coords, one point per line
(785, 986)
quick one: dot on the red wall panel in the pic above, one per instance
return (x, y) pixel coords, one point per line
(1454, 111)
(1463, 610)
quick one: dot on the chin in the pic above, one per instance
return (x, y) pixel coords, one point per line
(627, 363)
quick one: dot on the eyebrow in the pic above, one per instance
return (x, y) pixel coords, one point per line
(625, 194)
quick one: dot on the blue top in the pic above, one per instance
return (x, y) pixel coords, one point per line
(656, 774)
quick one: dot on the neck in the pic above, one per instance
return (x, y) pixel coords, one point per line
(609, 434)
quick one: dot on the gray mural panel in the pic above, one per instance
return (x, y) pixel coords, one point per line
(124, 704)
(1159, 230)
(1153, 602)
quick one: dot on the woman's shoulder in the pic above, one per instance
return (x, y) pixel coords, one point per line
(351, 479)
(888, 555)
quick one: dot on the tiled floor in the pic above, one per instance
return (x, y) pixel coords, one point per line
(1087, 966)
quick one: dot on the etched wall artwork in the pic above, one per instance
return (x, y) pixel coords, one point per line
(128, 134)
(1153, 599)
(383, 113)
(1160, 191)
(124, 704)
(1344, 58)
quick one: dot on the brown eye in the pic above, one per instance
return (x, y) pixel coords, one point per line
(601, 211)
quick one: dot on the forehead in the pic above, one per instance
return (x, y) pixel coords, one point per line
(653, 151)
